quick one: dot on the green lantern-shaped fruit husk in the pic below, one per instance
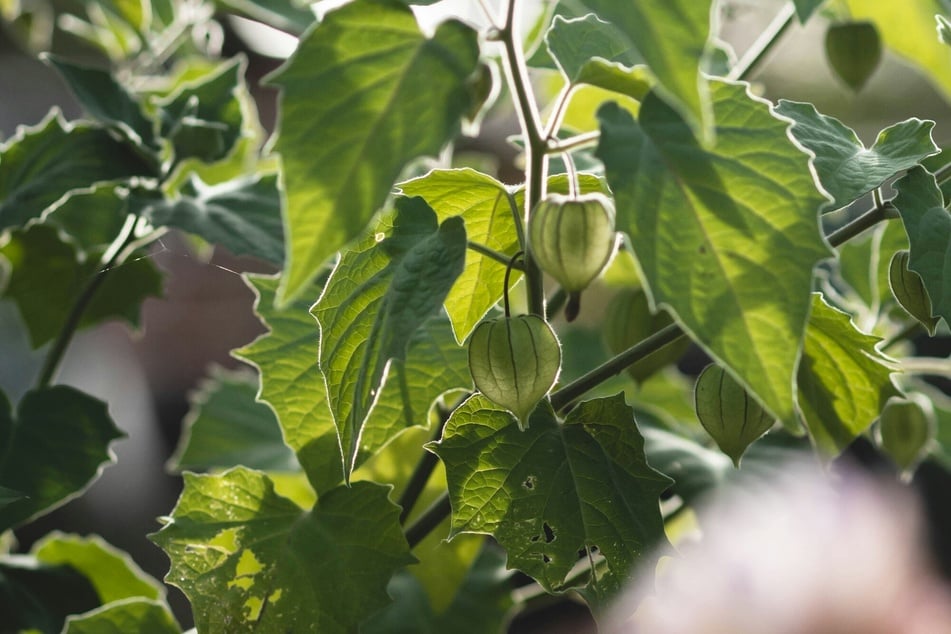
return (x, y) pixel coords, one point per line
(572, 239)
(905, 430)
(732, 417)
(514, 362)
(910, 291)
(854, 51)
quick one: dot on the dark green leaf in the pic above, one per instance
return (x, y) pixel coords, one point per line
(672, 37)
(854, 50)
(843, 380)
(242, 215)
(52, 450)
(575, 43)
(8, 497)
(107, 101)
(46, 277)
(805, 8)
(39, 597)
(204, 118)
(928, 225)
(124, 617)
(725, 238)
(91, 218)
(245, 556)
(694, 469)
(227, 427)
(112, 572)
(380, 293)
(363, 80)
(42, 164)
(846, 168)
(555, 489)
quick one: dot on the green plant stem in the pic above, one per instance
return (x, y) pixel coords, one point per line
(934, 366)
(758, 51)
(488, 252)
(615, 365)
(556, 302)
(911, 330)
(55, 355)
(867, 220)
(943, 174)
(429, 520)
(420, 476)
(573, 143)
(535, 147)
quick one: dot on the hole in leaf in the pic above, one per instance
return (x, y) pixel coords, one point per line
(535, 538)
(530, 482)
(546, 558)
(549, 533)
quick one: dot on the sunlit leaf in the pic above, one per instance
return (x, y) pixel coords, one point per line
(52, 449)
(245, 556)
(725, 238)
(928, 225)
(45, 278)
(380, 293)
(36, 597)
(286, 15)
(42, 164)
(227, 427)
(379, 94)
(555, 489)
(843, 381)
(846, 168)
(130, 615)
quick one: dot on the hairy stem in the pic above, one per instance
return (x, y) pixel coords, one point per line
(758, 51)
(118, 251)
(489, 252)
(428, 521)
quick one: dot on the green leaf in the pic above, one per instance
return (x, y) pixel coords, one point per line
(291, 381)
(121, 617)
(671, 36)
(845, 167)
(362, 80)
(944, 29)
(805, 8)
(112, 572)
(725, 238)
(46, 277)
(843, 381)
(106, 100)
(908, 29)
(36, 597)
(380, 293)
(286, 15)
(245, 556)
(242, 215)
(483, 203)
(91, 218)
(204, 118)
(555, 489)
(52, 450)
(575, 43)
(8, 497)
(42, 164)
(928, 224)
(694, 469)
(227, 427)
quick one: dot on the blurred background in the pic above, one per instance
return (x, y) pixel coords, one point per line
(146, 377)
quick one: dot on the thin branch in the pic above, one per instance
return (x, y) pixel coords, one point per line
(489, 252)
(867, 220)
(573, 143)
(933, 366)
(429, 520)
(758, 51)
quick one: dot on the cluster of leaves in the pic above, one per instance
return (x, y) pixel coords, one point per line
(320, 488)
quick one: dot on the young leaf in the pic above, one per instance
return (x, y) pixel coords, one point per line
(42, 164)
(112, 573)
(579, 44)
(107, 101)
(242, 215)
(844, 382)
(52, 450)
(725, 238)
(204, 118)
(92, 218)
(363, 80)
(45, 277)
(36, 597)
(291, 382)
(845, 167)
(928, 224)
(380, 293)
(554, 489)
(226, 427)
(130, 615)
(671, 36)
(246, 556)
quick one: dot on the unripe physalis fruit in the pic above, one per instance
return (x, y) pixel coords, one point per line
(910, 291)
(854, 50)
(729, 414)
(572, 239)
(628, 320)
(905, 430)
(514, 362)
